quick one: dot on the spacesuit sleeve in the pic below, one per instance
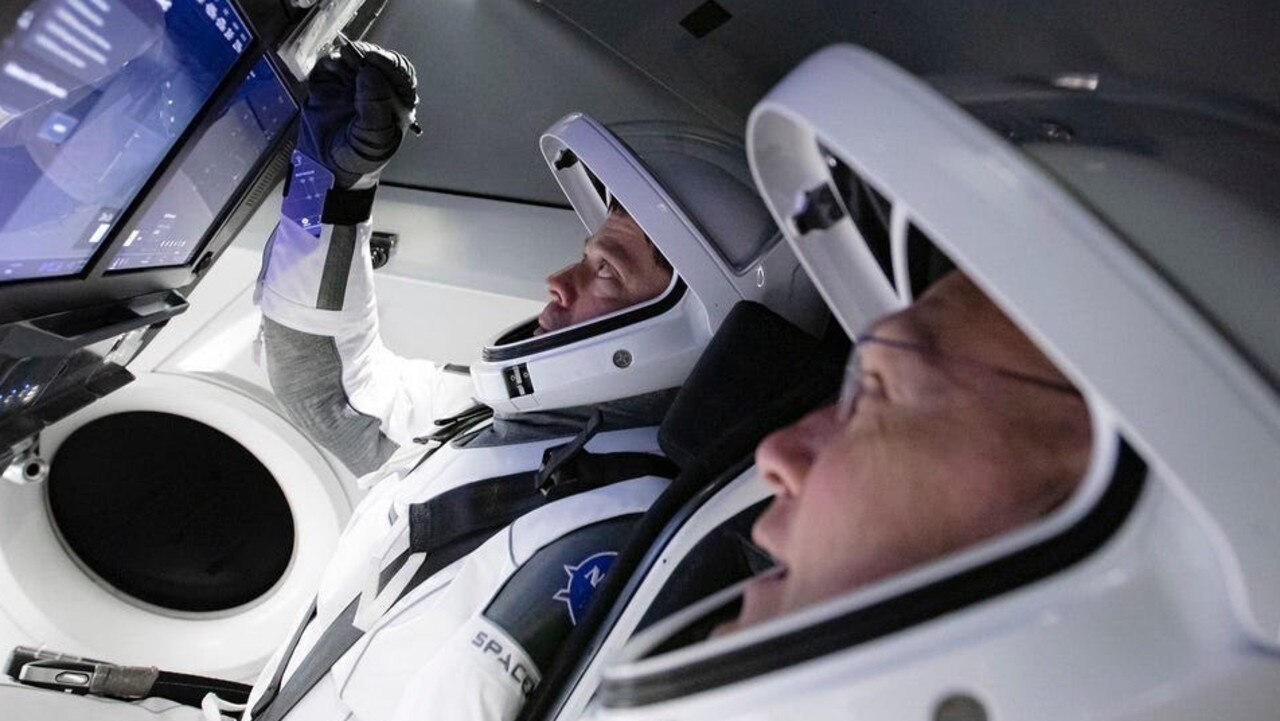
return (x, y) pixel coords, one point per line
(480, 674)
(325, 358)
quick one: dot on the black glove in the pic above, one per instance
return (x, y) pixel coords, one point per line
(357, 111)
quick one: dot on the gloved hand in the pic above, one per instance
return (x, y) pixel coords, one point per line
(357, 112)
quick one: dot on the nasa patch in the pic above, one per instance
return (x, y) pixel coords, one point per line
(583, 579)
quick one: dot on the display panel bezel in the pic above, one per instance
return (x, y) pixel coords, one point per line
(168, 174)
(95, 129)
(35, 297)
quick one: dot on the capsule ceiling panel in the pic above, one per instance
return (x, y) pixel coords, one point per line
(492, 75)
(727, 53)
(495, 73)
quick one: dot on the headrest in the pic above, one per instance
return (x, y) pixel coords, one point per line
(758, 374)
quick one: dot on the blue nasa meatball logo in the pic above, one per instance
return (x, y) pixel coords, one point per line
(583, 579)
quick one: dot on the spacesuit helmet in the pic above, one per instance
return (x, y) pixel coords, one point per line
(1082, 231)
(689, 189)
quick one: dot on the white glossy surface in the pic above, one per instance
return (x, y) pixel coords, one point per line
(1178, 391)
(50, 600)
(463, 271)
(1177, 616)
(1129, 634)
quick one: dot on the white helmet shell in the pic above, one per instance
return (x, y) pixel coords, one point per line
(1155, 591)
(690, 190)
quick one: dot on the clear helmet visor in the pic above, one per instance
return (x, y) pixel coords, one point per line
(666, 207)
(675, 237)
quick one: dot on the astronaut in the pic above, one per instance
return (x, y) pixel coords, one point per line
(466, 565)
(982, 527)
(954, 428)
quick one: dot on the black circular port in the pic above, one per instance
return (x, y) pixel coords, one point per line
(170, 511)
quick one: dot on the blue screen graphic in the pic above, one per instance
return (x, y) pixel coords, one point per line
(170, 229)
(93, 94)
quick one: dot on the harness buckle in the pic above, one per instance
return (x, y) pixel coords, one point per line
(55, 671)
(556, 471)
(79, 676)
(75, 677)
(559, 463)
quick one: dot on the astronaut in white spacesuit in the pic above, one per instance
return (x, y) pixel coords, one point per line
(450, 579)
(473, 556)
(983, 527)
(955, 428)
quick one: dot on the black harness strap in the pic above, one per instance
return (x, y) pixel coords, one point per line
(555, 457)
(492, 504)
(473, 508)
(453, 525)
(587, 471)
(347, 207)
(488, 505)
(450, 428)
(281, 701)
(189, 689)
(273, 688)
(338, 638)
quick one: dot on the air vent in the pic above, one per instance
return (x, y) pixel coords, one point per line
(705, 18)
(925, 263)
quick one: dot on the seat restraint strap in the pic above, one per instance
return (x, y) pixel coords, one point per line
(555, 457)
(273, 688)
(454, 524)
(494, 503)
(339, 637)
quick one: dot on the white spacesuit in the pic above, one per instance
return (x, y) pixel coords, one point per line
(462, 571)
(1152, 592)
(469, 561)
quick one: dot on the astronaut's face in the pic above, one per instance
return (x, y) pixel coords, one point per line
(619, 268)
(960, 429)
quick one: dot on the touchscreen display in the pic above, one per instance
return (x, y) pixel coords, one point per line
(93, 94)
(170, 229)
